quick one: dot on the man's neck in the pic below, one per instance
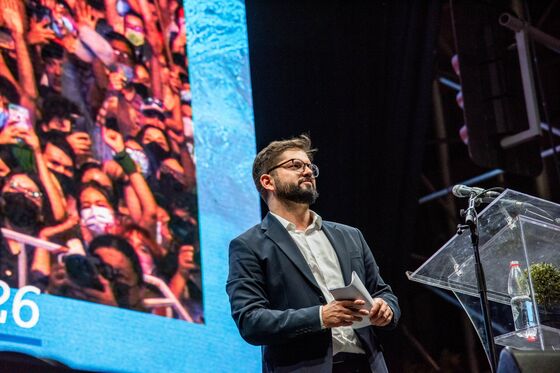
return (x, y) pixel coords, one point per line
(297, 213)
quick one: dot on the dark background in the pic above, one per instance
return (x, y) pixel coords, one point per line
(358, 76)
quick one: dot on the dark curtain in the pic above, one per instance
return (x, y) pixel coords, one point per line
(357, 76)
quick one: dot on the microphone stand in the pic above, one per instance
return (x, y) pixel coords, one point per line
(471, 222)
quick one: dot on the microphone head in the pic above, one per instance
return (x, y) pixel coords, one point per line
(457, 191)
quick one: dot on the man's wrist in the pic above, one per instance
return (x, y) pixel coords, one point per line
(321, 317)
(126, 162)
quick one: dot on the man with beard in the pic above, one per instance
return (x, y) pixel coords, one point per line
(280, 272)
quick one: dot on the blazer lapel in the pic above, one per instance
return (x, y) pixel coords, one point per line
(277, 233)
(338, 243)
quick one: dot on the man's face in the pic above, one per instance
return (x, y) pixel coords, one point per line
(122, 53)
(294, 185)
(53, 69)
(58, 161)
(125, 285)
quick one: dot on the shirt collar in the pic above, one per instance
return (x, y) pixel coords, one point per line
(316, 223)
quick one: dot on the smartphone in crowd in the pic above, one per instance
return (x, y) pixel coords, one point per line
(19, 116)
(83, 270)
(62, 27)
(112, 124)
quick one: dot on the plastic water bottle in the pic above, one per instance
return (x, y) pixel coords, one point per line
(521, 303)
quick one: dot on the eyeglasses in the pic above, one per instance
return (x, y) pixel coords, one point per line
(21, 189)
(122, 56)
(297, 165)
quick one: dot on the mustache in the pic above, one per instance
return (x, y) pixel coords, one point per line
(303, 180)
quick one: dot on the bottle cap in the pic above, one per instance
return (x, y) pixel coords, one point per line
(514, 263)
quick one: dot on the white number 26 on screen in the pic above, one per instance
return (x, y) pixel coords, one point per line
(18, 304)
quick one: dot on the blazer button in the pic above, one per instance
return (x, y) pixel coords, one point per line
(322, 299)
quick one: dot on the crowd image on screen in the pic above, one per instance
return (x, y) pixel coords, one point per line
(97, 152)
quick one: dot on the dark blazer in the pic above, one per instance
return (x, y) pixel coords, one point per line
(275, 299)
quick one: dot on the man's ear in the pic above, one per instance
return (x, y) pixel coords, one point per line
(267, 182)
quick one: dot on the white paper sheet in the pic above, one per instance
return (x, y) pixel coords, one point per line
(356, 290)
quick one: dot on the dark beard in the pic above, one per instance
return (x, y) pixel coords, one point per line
(295, 193)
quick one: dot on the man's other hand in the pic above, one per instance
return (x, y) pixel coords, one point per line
(343, 313)
(380, 314)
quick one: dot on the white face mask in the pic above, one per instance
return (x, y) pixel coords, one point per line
(97, 219)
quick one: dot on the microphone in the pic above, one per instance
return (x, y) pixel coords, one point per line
(463, 191)
(488, 196)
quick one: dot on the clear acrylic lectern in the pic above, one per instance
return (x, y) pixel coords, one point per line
(515, 226)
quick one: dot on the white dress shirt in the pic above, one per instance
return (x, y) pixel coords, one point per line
(323, 262)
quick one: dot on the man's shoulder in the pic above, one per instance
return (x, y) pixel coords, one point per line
(251, 234)
(343, 227)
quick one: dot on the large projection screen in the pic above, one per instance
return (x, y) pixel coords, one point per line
(85, 335)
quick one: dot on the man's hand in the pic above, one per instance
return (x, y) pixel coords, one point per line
(31, 139)
(105, 296)
(13, 17)
(185, 260)
(85, 15)
(80, 143)
(40, 32)
(380, 314)
(343, 313)
(10, 134)
(113, 139)
(114, 170)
